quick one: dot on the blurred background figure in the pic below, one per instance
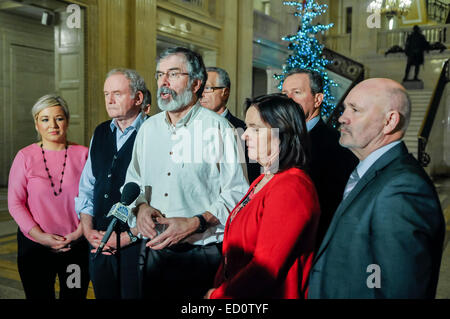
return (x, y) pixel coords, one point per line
(215, 97)
(415, 45)
(43, 183)
(270, 235)
(147, 102)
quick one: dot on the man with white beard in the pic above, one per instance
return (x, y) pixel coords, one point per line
(191, 171)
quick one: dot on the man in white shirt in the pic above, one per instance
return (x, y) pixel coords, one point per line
(191, 171)
(385, 239)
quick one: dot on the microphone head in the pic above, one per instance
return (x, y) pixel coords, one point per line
(129, 194)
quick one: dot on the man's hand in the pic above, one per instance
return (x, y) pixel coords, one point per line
(94, 237)
(144, 220)
(110, 247)
(177, 229)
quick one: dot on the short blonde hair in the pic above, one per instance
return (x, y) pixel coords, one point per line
(49, 100)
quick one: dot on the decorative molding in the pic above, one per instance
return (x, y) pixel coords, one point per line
(178, 26)
(420, 15)
(189, 14)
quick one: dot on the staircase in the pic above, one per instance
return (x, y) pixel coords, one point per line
(419, 104)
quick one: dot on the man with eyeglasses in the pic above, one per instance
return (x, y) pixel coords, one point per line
(188, 164)
(215, 97)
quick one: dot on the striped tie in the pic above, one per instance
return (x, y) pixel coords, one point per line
(352, 181)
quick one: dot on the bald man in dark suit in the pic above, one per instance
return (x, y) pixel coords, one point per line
(385, 239)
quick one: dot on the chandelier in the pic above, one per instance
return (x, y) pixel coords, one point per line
(390, 8)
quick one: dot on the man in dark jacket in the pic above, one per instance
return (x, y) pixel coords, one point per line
(415, 45)
(385, 239)
(330, 164)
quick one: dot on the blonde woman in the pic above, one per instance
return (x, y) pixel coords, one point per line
(43, 182)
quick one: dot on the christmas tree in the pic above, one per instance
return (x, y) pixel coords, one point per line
(306, 49)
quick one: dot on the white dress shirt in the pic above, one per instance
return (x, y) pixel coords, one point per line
(187, 169)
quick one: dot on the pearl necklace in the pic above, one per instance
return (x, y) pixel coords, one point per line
(48, 172)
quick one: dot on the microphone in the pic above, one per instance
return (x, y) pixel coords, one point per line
(120, 212)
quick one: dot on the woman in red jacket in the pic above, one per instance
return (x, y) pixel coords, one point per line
(270, 235)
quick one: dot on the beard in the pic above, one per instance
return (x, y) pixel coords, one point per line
(177, 102)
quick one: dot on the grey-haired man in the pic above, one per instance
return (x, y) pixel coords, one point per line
(191, 171)
(101, 180)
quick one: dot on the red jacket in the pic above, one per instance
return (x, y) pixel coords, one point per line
(268, 247)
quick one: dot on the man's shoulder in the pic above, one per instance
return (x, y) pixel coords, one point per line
(102, 126)
(236, 122)
(326, 138)
(212, 117)
(153, 120)
(156, 117)
(406, 167)
(328, 155)
(323, 131)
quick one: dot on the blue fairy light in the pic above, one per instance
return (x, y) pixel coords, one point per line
(306, 49)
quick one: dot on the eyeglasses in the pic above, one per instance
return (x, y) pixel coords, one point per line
(210, 89)
(172, 75)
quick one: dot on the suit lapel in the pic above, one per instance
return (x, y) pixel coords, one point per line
(372, 172)
(317, 130)
(228, 116)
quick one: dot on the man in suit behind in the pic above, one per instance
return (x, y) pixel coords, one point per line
(331, 164)
(385, 239)
(215, 97)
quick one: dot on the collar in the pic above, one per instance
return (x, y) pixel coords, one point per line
(187, 119)
(224, 113)
(365, 164)
(312, 122)
(138, 121)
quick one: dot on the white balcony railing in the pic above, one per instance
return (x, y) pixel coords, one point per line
(436, 33)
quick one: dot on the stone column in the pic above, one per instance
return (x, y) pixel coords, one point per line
(236, 54)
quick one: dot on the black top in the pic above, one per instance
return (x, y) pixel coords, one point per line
(330, 168)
